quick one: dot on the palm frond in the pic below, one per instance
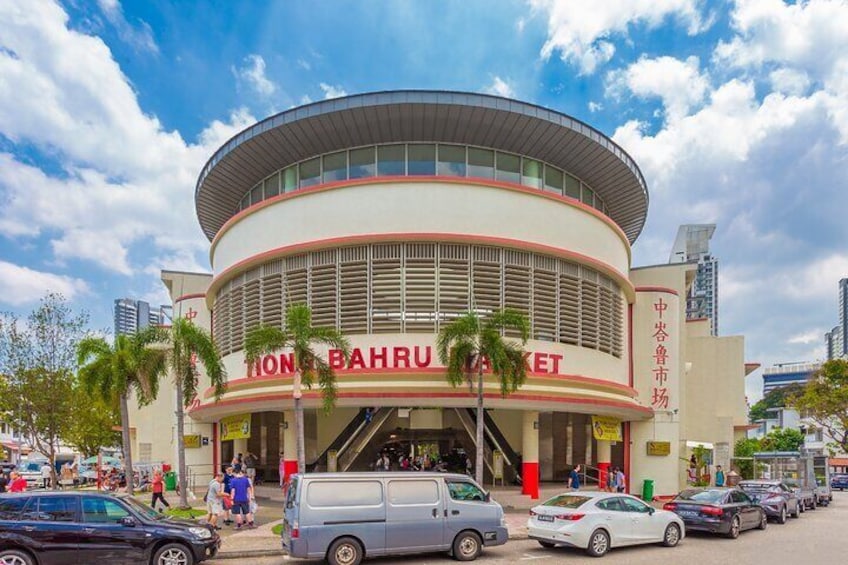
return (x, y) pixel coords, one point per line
(327, 383)
(263, 340)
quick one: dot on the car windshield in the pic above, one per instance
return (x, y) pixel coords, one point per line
(708, 496)
(566, 501)
(759, 487)
(142, 508)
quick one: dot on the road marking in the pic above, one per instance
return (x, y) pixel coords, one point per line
(529, 557)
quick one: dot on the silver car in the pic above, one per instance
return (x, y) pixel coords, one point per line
(343, 517)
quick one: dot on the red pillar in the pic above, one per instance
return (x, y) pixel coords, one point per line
(603, 475)
(530, 479)
(530, 464)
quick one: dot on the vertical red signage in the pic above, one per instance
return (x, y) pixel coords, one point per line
(660, 357)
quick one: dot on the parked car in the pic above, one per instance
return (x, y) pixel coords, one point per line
(341, 517)
(839, 481)
(67, 528)
(777, 498)
(599, 521)
(727, 511)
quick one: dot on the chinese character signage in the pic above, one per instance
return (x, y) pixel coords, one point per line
(660, 358)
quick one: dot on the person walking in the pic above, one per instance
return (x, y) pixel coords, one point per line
(45, 475)
(4, 482)
(612, 480)
(250, 461)
(719, 480)
(18, 483)
(229, 475)
(242, 493)
(214, 500)
(574, 478)
(620, 480)
(158, 490)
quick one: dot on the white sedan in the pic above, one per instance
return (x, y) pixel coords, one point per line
(600, 521)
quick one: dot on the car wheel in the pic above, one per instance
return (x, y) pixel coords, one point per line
(15, 557)
(546, 544)
(781, 519)
(763, 521)
(735, 528)
(345, 551)
(813, 504)
(467, 546)
(173, 554)
(599, 543)
(672, 535)
(802, 506)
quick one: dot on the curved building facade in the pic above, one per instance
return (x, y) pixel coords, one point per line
(392, 213)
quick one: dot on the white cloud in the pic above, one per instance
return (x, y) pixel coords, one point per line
(679, 84)
(789, 81)
(140, 37)
(21, 285)
(500, 87)
(331, 91)
(595, 106)
(121, 181)
(304, 64)
(580, 31)
(808, 337)
(252, 73)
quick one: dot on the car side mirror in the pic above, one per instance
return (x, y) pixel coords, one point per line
(651, 510)
(128, 521)
(488, 497)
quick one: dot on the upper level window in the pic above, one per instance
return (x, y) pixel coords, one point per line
(481, 163)
(391, 160)
(362, 163)
(553, 179)
(289, 179)
(272, 186)
(531, 173)
(422, 159)
(452, 160)
(572, 187)
(508, 168)
(310, 172)
(335, 166)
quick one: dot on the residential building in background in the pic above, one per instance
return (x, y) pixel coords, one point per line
(133, 315)
(784, 374)
(692, 245)
(833, 343)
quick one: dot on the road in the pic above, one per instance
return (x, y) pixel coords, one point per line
(813, 538)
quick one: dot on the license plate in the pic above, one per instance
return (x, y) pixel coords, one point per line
(545, 518)
(688, 513)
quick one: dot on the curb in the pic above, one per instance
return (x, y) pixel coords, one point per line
(250, 553)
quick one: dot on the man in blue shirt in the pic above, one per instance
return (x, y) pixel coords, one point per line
(574, 478)
(719, 477)
(242, 491)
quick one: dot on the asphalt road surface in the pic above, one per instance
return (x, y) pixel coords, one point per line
(817, 537)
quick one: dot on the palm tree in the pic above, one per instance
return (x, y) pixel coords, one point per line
(130, 364)
(185, 345)
(466, 341)
(300, 336)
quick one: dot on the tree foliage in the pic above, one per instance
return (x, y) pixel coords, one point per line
(37, 361)
(744, 449)
(782, 439)
(776, 398)
(824, 400)
(92, 423)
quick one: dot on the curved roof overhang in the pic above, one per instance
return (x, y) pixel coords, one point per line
(423, 116)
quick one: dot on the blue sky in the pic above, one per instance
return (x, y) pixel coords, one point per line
(736, 111)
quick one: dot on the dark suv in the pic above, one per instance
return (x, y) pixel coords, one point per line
(58, 528)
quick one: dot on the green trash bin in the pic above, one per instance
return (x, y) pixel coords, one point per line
(170, 480)
(648, 490)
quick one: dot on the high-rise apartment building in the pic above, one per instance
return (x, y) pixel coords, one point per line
(784, 374)
(834, 340)
(132, 315)
(692, 245)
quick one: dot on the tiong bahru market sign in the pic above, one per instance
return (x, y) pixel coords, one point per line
(396, 357)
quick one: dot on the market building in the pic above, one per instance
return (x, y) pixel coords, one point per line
(391, 213)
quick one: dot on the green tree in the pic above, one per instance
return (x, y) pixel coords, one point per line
(744, 450)
(776, 398)
(131, 364)
(186, 344)
(466, 343)
(37, 358)
(92, 422)
(782, 439)
(824, 400)
(300, 337)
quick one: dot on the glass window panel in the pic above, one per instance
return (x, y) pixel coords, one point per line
(344, 493)
(508, 167)
(102, 510)
(531, 173)
(422, 159)
(599, 203)
(310, 172)
(481, 163)
(588, 196)
(413, 492)
(452, 160)
(290, 179)
(256, 194)
(391, 160)
(572, 187)
(335, 166)
(553, 179)
(57, 508)
(362, 163)
(272, 186)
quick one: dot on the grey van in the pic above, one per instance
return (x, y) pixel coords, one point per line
(344, 517)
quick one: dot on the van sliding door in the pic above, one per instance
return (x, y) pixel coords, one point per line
(414, 515)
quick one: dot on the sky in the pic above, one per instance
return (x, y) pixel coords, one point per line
(736, 112)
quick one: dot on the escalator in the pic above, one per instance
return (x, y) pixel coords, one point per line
(350, 431)
(495, 440)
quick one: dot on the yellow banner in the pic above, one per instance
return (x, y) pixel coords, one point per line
(235, 427)
(191, 441)
(606, 429)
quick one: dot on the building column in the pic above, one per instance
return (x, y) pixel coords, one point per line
(604, 459)
(530, 455)
(289, 444)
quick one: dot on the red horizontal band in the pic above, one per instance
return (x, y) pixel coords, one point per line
(664, 289)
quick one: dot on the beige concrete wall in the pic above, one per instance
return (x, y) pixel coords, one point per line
(330, 425)
(510, 423)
